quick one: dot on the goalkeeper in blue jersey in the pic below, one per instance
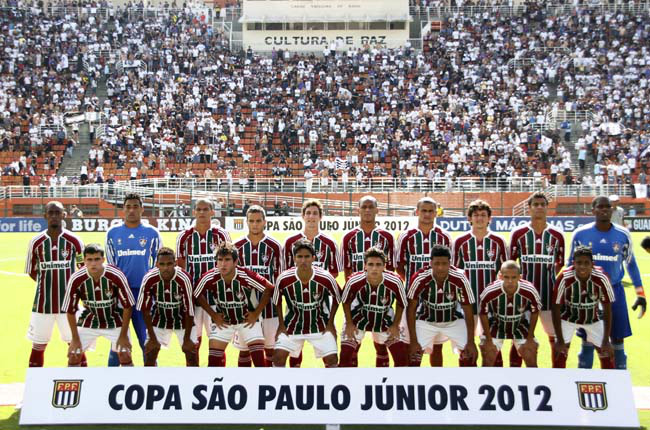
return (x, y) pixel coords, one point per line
(611, 245)
(133, 248)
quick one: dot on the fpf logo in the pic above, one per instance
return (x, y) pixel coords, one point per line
(238, 223)
(592, 396)
(66, 393)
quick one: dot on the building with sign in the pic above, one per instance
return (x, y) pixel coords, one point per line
(316, 25)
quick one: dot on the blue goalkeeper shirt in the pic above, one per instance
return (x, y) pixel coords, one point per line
(610, 249)
(133, 250)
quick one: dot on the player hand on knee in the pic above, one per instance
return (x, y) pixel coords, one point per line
(528, 349)
(561, 349)
(152, 345)
(123, 349)
(188, 346)
(74, 353)
(281, 330)
(219, 321)
(414, 348)
(350, 330)
(489, 352)
(393, 331)
(470, 352)
(250, 319)
(606, 349)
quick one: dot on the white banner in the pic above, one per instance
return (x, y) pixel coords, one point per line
(640, 191)
(328, 224)
(459, 396)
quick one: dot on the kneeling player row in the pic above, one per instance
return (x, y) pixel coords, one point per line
(440, 305)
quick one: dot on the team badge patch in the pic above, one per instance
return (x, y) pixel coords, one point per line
(592, 396)
(65, 253)
(143, 242)
(66, 394)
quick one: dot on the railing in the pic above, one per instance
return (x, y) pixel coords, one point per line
(296, 185)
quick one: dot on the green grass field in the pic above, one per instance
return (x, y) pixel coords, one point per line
(17, 293)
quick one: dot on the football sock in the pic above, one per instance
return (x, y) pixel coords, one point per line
(37, 357)
(435, 358)
(268, 355)
(382, 359)
(399, 351)
(348, 352)
(586, 356)
(515, 358)
(244, 359)
(113, 359)
(620, 358)
(257, 354)
(215, 358)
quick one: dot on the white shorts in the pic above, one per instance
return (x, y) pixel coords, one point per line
(429, 334)
(227, 334)
(323, 344)
(269, 330)
(88, 337)
(546, 317)
(377, 337)
(499, 342)
(595, 332)
(201, 320)
(41, 325)
(164, 336)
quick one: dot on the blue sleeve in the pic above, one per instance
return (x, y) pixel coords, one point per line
(573, 245)
(110, 250)
(632, 267)
(156, 244)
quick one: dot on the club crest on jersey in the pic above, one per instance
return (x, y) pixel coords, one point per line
(65, 253)
(265, 258)
(592, 396)
(593, 296)
(177, 296)
(213, 246)
(384, 300)
(66, 394)
(240, 295)
(143, 241)
(449, 296)
(119, 241)
(550, 248)
(616, 246)
(319, 255)
(490, 253)
(317, 295)
(108, 292)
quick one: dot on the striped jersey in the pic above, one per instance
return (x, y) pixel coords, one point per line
(414, 249)
(100, 298)
(372, 307)
(265, 259)
(197, 250)
(540, 257)
(580, 300)
(356, 242)
(438, 303)
(307, 305)
(52, 264)
(233, 299)
(327, 253)
(166, 301)
(481, 260)
(507, 315)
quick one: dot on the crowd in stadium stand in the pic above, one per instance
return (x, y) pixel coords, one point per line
(181, 104)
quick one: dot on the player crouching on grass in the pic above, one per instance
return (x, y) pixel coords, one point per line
(579, 290)
(431, 315)
(505, 307)
(100, 287)
(166, 304)
(368, 305)
(237, 310)
(312, 297)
